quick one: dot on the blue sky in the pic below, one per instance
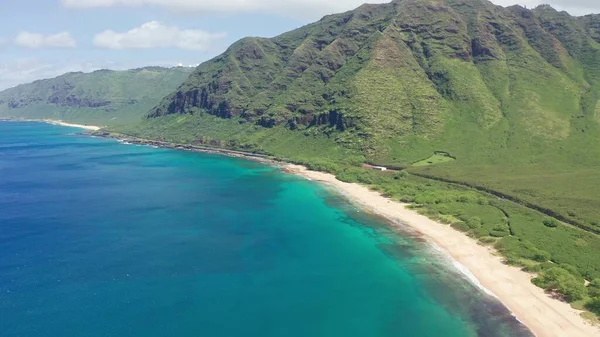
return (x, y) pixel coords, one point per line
(45, 38)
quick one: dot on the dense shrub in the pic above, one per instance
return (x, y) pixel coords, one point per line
(593, 305)
(534, 268)
(571, 269)
(541, 256)
(443, 209)
(487, 240)
(499, 234)
(357, 175)
(550, 222)
(428, 212)
(480, 232)
(460, 213)
(474, 222)
(447, 219)
(461, 226)
(594, 288)
(321, 165)
(522, 248)
(560, 280)
(547, 265)
(400, 175)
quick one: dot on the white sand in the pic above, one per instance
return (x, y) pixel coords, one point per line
(543, 315)
(81, 126)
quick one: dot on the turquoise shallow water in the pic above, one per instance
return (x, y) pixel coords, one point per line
(98, 238)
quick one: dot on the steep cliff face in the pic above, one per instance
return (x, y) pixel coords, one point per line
(104, 96)
(255, 76)
(591, 23)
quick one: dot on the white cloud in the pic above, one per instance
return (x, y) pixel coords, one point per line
(308, 9)
(153, 34)
(24, 70)
(37, 41)
(574, 7)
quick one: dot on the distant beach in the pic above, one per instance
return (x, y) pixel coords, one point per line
(54, 122)
(543, 315)
(81, 126)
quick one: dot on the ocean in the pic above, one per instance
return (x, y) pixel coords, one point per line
(99, 238)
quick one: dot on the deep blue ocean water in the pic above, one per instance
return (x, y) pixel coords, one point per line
(98, 238)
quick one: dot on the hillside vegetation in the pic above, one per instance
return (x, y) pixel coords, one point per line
(461, 92)
(103, 97)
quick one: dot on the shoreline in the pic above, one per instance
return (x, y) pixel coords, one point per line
(61, 123)
(482, 266)
(541, 314)
(54, 122)
(81, 126)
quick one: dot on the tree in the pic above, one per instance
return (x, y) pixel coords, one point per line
(474, 222)
(560, 280)
(593, 305)
(550, 222)
(541, 256)
(573, 290)
(594, 288)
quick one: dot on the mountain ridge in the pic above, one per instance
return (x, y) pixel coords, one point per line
(102, 97)
(323, 62)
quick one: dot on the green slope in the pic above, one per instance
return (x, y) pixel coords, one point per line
(103, 97)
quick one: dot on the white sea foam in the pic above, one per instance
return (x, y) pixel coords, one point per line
(466, 272)
(463, 270)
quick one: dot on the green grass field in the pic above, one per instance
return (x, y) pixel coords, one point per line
(436, 158)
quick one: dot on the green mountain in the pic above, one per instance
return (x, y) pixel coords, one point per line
(103, 97)
(510, 93)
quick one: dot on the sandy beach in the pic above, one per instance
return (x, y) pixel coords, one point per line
(543, 315)
(81, 126)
